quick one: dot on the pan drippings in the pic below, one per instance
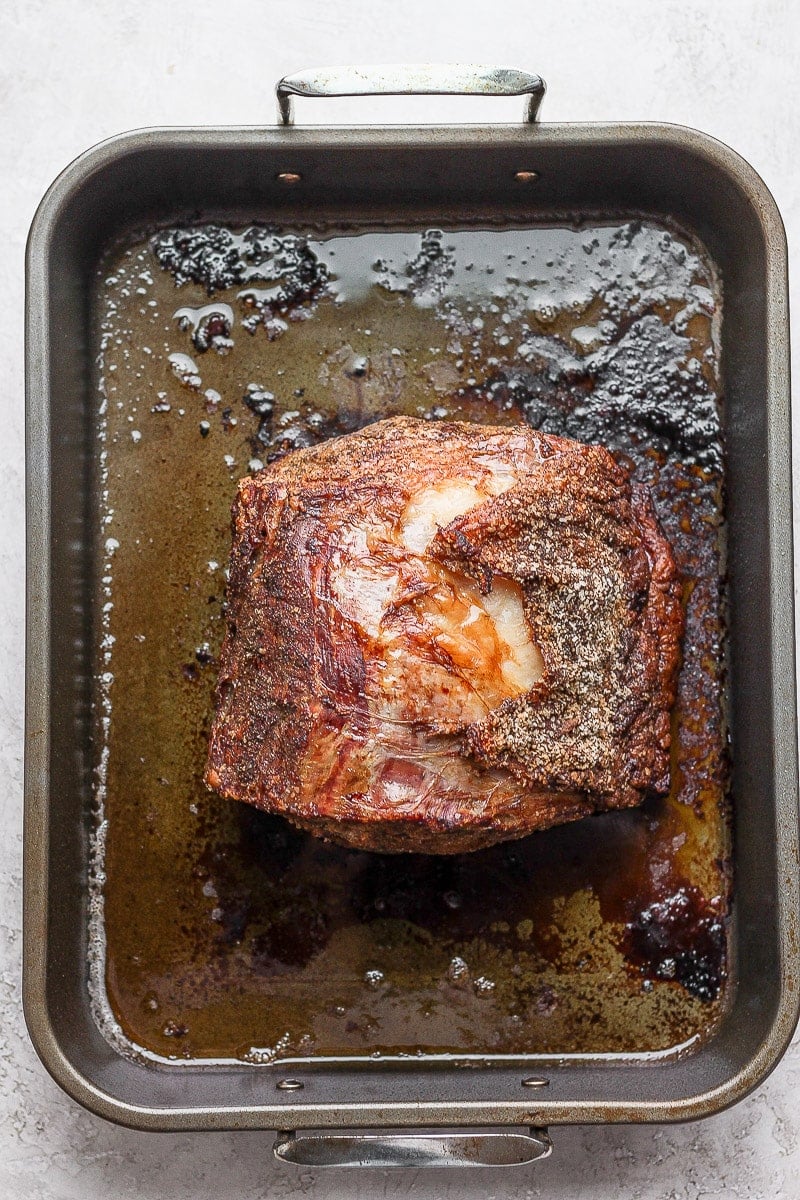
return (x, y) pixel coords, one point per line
(220, 931)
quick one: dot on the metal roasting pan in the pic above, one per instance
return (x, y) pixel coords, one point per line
(383, 174)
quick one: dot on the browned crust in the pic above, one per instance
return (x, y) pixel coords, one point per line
(580, 529)
(400, 835)
(600, 588)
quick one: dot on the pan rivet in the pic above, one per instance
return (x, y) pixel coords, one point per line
(535, 1081)
(526, 176)
(289, 1085)
(288, 177)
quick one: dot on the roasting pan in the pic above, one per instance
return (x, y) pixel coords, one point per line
(380, 174)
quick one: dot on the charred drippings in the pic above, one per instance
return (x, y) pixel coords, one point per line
(207, 255)
(431, 268)
(634, 396)
(680, 937)
(217, 258)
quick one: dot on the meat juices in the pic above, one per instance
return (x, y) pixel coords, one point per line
(445, 635)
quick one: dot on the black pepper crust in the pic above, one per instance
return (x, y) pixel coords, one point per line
(296, 730)
(602, 592)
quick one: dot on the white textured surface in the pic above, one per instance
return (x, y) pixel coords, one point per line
(73, 73)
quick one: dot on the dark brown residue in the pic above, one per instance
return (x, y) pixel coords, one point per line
(680, 936)
(228, 932)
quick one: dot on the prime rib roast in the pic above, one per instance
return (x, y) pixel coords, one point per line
(444, 635)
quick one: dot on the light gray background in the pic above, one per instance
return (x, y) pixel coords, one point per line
(73, 72)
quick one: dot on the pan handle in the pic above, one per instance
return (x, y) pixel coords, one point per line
(425, 79)
(476, 1149)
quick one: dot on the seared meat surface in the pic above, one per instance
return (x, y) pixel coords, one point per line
(444, 635)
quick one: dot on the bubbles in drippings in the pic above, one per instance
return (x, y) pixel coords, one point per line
(203, 654)
(644, 380)
(274, 327)
(458, 972)
(635, 393)
(430, 270)
(185, 369)
(175, 1029)
(584, 331)
(206, 255)
(162, 404)
(596, 348)
(357, 366)
(631, 268)
(587, 336)
(209, 326)
(218, 258)
(374, 978)
(285, 1046)
(259, 400)
(293, 437)
(262, 403)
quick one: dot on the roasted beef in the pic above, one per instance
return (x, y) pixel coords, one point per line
(443, 635)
